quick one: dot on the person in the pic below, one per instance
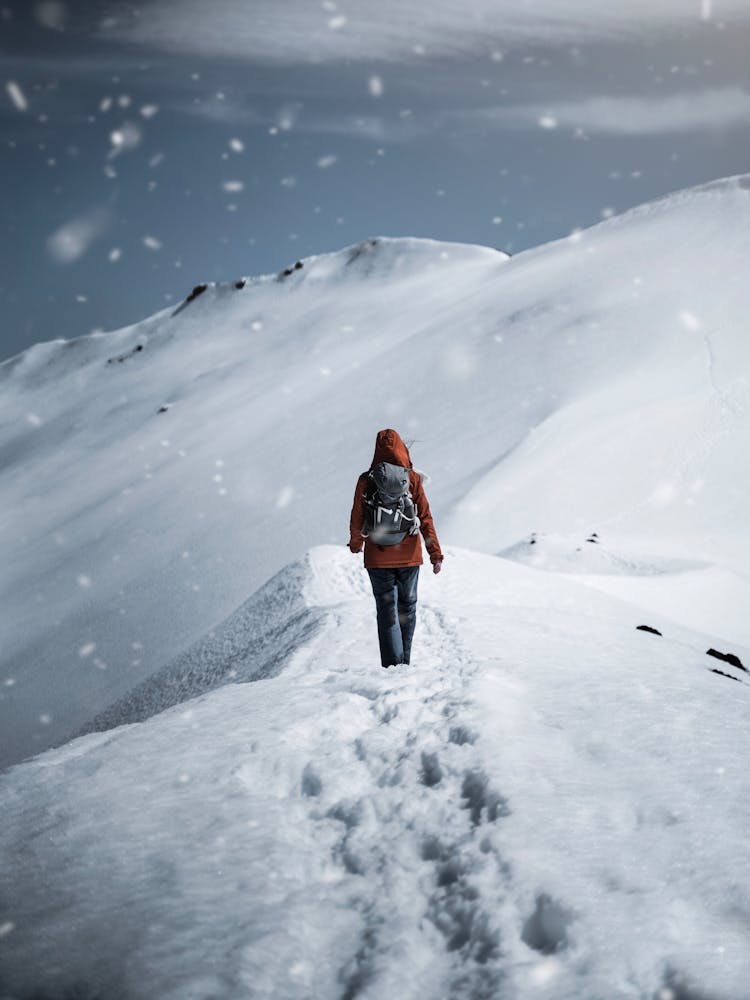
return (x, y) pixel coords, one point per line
(394, 569)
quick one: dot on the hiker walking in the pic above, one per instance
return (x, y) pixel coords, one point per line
(390, 509)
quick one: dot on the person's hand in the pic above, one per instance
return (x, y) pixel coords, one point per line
(437, 566)
(353, 548)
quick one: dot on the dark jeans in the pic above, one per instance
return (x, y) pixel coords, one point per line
(395, 593)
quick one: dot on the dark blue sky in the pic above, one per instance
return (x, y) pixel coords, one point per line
(147, 147)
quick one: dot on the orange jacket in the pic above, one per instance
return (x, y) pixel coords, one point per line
(390, 448)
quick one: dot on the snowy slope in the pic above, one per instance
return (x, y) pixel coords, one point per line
(595, 384)
(548, 805)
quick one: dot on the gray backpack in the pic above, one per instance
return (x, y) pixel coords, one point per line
(390, 514)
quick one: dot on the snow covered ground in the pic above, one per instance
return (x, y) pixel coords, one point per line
(595, 384)
(548, 804)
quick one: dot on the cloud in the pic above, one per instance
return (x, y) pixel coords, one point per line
(720, 108)
(300, 31)
(223, 112)
(398, 127)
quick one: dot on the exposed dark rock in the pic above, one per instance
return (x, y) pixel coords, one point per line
(240, 284)
(648, 628)
(290, 270)
(722, 674)
(731, 658)
(123, 357)
(198, 290)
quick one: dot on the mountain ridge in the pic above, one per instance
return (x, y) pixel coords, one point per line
(594, 384)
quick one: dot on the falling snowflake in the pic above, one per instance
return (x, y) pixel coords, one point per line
(124, 139)
(51, 14)
(285, 497)
(149, 110)
(664, 494)
(548, 122)
(152, 243)
(237, 145)
(327, 161)
(689, 320)
(375, 85)
(287, 117)
(233, 186)
(73, 239)
(17, 95)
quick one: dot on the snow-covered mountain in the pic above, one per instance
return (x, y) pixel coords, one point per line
(549, 803)
(595, 384)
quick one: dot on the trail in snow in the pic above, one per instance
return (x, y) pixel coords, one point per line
(391, 804)
(547, 804)
(428, 799)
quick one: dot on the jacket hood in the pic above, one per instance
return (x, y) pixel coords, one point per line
(390, 448)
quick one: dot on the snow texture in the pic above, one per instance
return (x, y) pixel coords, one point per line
(551, 802)
(548, 805)
(559, 392)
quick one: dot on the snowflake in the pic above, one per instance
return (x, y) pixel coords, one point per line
(17, 95)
